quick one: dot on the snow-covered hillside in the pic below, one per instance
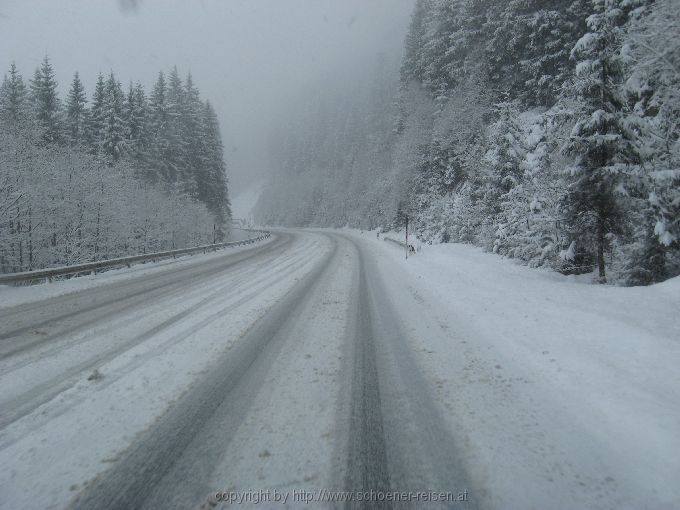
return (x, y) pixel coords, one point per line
(545, 131)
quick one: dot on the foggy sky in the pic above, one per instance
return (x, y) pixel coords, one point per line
(246, 56)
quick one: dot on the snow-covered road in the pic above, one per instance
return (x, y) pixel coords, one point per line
(323, 360)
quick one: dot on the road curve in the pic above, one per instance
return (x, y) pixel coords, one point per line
(321, 391)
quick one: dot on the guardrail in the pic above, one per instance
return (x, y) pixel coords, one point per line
(402, 244)
(48, 274)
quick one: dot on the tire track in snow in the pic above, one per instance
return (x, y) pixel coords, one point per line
(367, 468)
(232, 382)
(120, 297)
(32, 399)
(398, 439)
(64, 340)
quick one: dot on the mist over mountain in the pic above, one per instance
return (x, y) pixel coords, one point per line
(542, 131)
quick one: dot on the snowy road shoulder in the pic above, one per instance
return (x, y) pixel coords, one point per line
(557, 390)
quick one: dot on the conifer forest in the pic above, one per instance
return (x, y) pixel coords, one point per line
(542, 130)
(123, 172)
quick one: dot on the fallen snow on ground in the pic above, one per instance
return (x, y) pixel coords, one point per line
(296, 409)
(47, 456)
(561, 394)
(558, 394)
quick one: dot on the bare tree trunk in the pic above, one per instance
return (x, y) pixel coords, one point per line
(30, 239)
(21, 242)
(96, 236)
(600, 251)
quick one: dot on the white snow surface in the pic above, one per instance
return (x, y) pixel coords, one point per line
(559, 394)
(51, 453)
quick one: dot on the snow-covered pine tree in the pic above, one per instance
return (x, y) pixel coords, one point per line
(13, 102)
(413, 67)
(217, 198)
(652, 47)
(600, 140)
(95, 130)
(195, 180)
(529, 47)
(530, 211)
(4, 100)
(159, 126)
(175, 150)
(132, 125)
(445, 48)
(503, 172)
(76, 113)
(478, 13)
(33, 85)
(113, 136)
(440, 172)
(46, 102)
(137, 136)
